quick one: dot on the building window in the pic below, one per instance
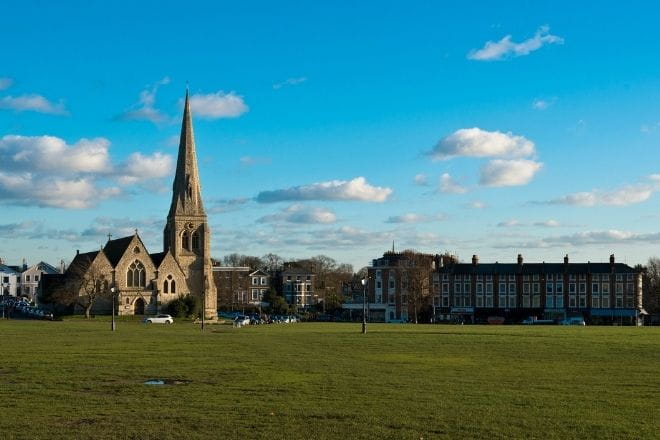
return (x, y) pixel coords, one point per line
(136, 275)
(526, 289)
(195, 240)
(489, 288)
(571, 288)
(457, 287)
(391, 284)
(185, 240)
(559, 301)
(583, 288)
(466, 288)
(619, 288)
(378, 285)
(629, 277)
(594, 288)
(605, 302)
(535, 277)
(255, 294)
(548, 287)
(489, 301)
(526, 301)
(559, 288)
(595, 302)
(606, 288)
(480, 288)
(445, 288)
(550, 301)
(536, 288)
(572, 302)
(36, 278)
(512, 288)
(263, 281)
(445, 277)
(480, 301)
(502, 288)
(27, 278)
(619, 277)
(512, 277)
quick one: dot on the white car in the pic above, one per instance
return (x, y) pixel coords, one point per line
(160, 319)
(241, 320)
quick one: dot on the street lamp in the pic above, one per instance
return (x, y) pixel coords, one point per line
(113, 327)
(364, 306)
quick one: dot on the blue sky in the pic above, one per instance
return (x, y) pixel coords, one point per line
(494, 129)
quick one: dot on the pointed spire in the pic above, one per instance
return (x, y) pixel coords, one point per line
(186, 196)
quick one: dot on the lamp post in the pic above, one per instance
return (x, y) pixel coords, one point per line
(113, 326)
(364, 306)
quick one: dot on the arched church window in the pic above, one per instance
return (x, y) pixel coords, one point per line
(195, 240)
(136, 275)
(128, 301)
(184, 240)
(172, 284)
(166, 287)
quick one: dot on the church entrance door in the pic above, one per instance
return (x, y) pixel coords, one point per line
(138, 306)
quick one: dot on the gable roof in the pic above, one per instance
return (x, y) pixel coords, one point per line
(81, 262)
(115, 249)
(158, 258)
(258, 272)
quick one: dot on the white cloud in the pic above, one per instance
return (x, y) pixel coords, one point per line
(421, 179)
(475, 142)
(499, 172)
(542, 104)
(356, 189)
(450, 186)
(290, 82)
(476, 204)
(509, 223)
(548, 224)
(498, 50)
(50, 153)
(32, 102)
(301, 214)
(27, 189)
(46, 171)
(219, 206)
(218, 105)
(589, 238)
(626, 195)
(139, 167)
(145, 109)
(415, 218)
(5, 83)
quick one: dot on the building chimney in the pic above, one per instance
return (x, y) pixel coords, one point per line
(77, 251)
(520, 259)
(566, 259)
(612, 259)
(475, 260)
(24, 264)
(62, 268)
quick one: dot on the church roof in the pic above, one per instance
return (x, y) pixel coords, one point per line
(81, 262)
(115, 249)
(158, 258)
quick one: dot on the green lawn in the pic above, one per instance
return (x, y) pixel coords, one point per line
(76, 379)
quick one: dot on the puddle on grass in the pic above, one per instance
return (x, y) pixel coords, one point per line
(166, 382)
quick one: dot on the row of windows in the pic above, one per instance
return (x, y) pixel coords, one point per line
(190, 242)
(551, 301)
(298, 278)
(596, 288)
(538, 277)
(258, 281)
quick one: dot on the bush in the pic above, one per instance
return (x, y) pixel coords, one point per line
(188, 306)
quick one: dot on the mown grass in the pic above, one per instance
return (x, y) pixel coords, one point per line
(76, 379)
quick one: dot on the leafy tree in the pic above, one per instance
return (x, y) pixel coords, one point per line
(188, 306)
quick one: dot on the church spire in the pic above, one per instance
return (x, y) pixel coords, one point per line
(186, 191)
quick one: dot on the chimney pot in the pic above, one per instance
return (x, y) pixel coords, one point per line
(566, 259)
(612, 259)
(475, 259)
(520, 259)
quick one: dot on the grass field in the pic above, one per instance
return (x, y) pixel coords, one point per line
(63, 380)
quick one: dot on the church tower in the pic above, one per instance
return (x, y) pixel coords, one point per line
(187, 234)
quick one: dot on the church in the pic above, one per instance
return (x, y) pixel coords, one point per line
(144, 282)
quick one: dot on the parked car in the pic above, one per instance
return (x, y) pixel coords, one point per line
(575, 320)
(160, 319)
(242, 320)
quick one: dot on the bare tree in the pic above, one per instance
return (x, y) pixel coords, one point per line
(84, 285)
(416, 280)
(651, 285)
(272, 262)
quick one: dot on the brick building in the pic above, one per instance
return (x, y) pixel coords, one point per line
(599, 292)
(297, 285)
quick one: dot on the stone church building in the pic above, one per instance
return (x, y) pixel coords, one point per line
(143, 281)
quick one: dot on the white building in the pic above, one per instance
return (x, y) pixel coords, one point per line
(30, 277)
(9, 280)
